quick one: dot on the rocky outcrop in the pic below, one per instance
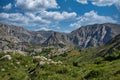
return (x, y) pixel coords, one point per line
(6, 57)
(111, 48)
(60, 39)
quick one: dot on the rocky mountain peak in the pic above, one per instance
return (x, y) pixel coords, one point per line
(85, 36)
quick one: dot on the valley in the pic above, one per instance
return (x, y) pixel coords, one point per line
(88, 53)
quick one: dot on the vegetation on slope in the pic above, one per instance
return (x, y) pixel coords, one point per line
(95, 63)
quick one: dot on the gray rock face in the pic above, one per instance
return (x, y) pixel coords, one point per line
(16, 38)
(111, 47)
(19, 34)
(39, 37)
(93, 35)
(57, 38)
(86, 36)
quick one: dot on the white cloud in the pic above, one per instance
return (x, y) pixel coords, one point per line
(67, 31)
(36, 19)
(91, 18)
(57, 16)
(34, 13)
(118, 5)
(82, 1)
(35, 5)
(45, 19)
(14, 18)
(75, 25)
(44, 28)
(31, 8)
(104, 2)
(7, 7)
(101, 2)
(22, 20)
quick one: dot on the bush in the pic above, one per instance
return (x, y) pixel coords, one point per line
(75, 64)
(64, 55)
(93, 74)
(98, 60)
(62, 71)
(113, 56)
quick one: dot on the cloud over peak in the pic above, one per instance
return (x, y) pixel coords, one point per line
(57, 16)
(91, 17)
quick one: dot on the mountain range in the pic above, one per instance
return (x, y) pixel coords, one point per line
(93, 63)
(85, 36)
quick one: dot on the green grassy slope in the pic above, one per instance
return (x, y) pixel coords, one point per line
(96, 63)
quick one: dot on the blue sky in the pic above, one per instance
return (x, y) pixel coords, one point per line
(58, 15)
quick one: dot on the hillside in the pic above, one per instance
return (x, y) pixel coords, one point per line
(111, 46)
(83, 64)
(96, 63)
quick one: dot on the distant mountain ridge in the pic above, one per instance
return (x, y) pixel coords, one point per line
(94, 35)
(86, 36)
(57, 38)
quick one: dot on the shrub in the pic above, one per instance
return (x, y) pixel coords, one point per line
(113, 56)
(93, 74)
(98, 60)
(75, 64)
(63, 70)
